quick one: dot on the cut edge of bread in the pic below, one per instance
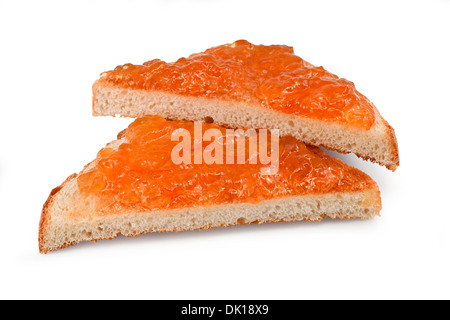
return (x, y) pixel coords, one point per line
(378, 144)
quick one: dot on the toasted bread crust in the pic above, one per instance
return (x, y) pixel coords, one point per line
(395, 155)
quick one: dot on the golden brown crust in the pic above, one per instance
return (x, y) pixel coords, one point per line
(45, 216)
(393, 141)
(121, 134)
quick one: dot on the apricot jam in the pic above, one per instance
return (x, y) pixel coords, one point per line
(270, 76)
(141, 171)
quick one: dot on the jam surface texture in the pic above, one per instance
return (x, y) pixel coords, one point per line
(140, 173)
(269, 76)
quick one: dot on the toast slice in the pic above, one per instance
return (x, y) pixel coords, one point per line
(134, 186)
(242, 85)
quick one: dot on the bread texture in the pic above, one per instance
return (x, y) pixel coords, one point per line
(70, 216)
(60, 229)
(377, 144)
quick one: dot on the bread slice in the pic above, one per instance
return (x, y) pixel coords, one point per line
(71, 215)
(138, 90)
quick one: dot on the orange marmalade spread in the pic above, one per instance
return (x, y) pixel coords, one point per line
(141, 171)
(270, 76)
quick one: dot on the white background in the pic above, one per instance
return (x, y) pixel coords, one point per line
(396, 52)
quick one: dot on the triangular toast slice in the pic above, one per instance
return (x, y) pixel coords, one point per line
(144, 182)
(242, 85)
